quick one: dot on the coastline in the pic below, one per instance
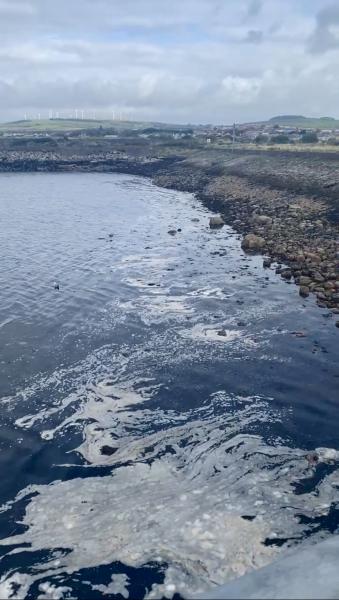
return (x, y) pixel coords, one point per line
(278, 217)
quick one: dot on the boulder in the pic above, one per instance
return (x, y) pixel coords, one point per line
(305, 281)
(262, 219)
(304, 291)
(286, 273)
(216, 222)
(253, 242)
(318, 277)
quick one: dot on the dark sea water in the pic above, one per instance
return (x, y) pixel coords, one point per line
(156, 409)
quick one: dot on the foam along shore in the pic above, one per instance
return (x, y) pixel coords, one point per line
(309, 573)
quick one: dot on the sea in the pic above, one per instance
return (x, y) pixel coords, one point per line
(161, 394)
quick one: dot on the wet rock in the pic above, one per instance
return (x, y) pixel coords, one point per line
(195, 220)
(286, 273)
(253, 242)
(216, 222)
(222, 333)
(56, 286)
(172, 231)
(267, 263)
(337, 324)
(304, 291)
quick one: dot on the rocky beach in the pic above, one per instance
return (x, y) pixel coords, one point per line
(285, 204)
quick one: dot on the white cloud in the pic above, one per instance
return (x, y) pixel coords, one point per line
(188, 60)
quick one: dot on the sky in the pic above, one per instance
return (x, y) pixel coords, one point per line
(178, 61)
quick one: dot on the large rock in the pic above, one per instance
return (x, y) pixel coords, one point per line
(216, 222)
(253, 242)
(262, 219)
(304, 291)
(305, 281)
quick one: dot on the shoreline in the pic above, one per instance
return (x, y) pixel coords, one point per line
(292, 229)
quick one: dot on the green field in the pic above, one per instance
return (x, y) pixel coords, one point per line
(305, 122)
(79, 124)
(69, 124)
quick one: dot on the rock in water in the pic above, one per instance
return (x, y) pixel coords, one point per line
(304, 291)
(216, 222)
(253, 242)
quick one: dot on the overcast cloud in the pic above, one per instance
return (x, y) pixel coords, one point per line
(180, 61)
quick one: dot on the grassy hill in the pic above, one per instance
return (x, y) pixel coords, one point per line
(79, 124)
(305, 122)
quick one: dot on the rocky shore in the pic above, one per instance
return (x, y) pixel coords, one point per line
(286, 207)
(292, 232)
(297, 232)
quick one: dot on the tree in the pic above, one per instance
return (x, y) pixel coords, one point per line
(281, 138)
(309, 138)
(261, 138)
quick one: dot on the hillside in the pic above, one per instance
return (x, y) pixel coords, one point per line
(305, 122)
(79, 124)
